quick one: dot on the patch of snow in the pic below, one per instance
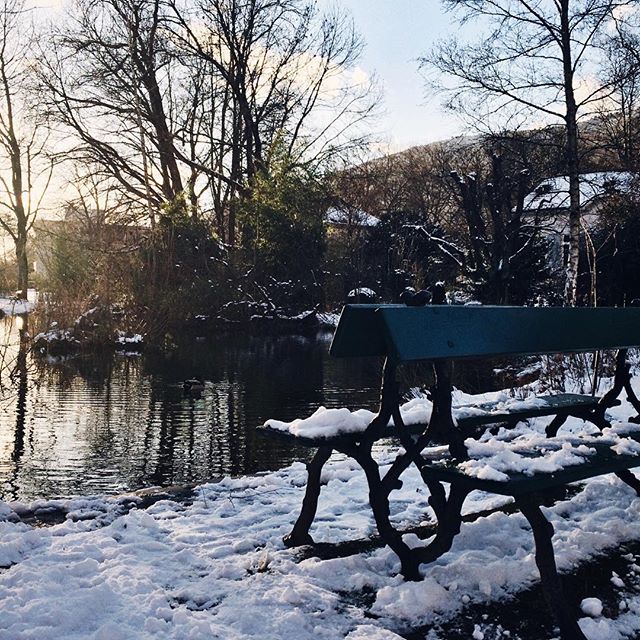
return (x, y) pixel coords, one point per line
(600, 629)
(591, 607)
(329, 423)
(369, 632)
(15, 306)
(325, 423)
(328, 319)
(627, 447)
(350, 217)
(362, 291)
(616, 581)
(55, 336)
(477, 634)
(124, 338)
(553, 193)
(494, 459)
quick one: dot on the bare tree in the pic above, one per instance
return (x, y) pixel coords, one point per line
(534, 60)
(288, 80)
(177, 112)
(112, 78)
(24, 166)
(617, 124)
(497, 232)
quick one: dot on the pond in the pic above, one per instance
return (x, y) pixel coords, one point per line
(116, 423)
(113, 423)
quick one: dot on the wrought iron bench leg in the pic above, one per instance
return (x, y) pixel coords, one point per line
(629, 478)
(545, 559)
(379, 491)
(621, 380)
(595, 416)
(449, 521)
(300, 533)
(552, 428)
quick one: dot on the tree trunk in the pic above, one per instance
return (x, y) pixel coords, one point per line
(20, 237)
(23, 265)
(571, 281)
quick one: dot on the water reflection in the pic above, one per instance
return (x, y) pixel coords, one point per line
(107, 424)
(19, 377)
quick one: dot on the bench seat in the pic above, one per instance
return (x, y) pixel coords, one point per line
(541, 406)
(603, 461)
(468, 417)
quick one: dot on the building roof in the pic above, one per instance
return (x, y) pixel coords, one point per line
(553, 193)
(345, 217)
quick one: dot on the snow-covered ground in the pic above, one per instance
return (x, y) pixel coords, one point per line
(14, 307)
(216, 567)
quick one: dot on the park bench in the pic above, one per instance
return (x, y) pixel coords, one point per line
(441, 335)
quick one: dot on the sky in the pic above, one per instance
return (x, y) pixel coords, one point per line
(396, 33)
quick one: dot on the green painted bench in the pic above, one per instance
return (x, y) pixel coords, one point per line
(442, 334)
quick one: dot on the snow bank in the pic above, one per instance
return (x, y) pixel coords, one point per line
(176, 571)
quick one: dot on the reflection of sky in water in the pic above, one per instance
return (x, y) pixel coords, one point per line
(110, 424)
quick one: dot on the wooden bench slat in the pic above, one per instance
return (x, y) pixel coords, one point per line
(605, 460)
(359, 333)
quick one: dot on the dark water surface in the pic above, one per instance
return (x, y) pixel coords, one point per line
(109, 424)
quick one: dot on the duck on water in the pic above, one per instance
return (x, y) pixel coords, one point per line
(193, 386)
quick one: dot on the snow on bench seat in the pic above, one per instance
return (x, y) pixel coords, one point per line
(334, 425)
(533, 462)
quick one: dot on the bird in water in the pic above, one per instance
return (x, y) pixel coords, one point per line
(193, 386)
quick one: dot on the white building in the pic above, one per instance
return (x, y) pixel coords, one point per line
(547, 206)
(341, 217)
(549, 201)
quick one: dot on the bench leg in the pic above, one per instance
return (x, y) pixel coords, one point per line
(300, 532)
(595, 416)
(633, 399)
(379, 500)
(622, 380)
(629, 478)
(545, 559)
(449, 521)
(552, 428)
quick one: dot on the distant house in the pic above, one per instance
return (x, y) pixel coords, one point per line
(547, 206)
(344, 217)
(43, 238)
(89, 230)
(549, 201)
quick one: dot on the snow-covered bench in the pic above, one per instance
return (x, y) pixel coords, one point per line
(525, 468)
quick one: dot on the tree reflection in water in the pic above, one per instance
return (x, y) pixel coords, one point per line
(106, 423)
(110, 423)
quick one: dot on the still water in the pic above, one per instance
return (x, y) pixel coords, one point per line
(115, 423)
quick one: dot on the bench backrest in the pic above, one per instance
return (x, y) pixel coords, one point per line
(435, 332)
